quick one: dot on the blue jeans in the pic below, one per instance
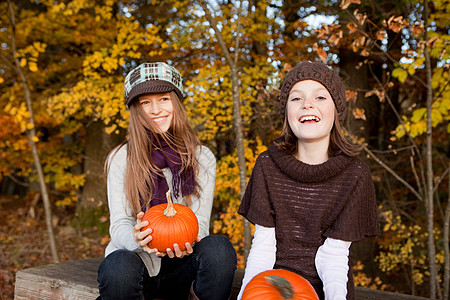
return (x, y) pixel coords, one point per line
(123, 275)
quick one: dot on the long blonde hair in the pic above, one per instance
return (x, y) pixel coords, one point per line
(142, 135)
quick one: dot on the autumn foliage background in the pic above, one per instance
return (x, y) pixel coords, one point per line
(392, 55)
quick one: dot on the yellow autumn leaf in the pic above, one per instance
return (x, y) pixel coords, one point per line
(359, 113)
(411, 69)
(33, 67)
(418, 114)
(436, 117)
(400, 74)
(29, 126)
(1, 80)
(35, 139)
(23, 62)
(400, 131)
(40, 47)
(418, 128)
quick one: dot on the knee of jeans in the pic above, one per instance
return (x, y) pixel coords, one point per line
(218, 248)
(120, 264)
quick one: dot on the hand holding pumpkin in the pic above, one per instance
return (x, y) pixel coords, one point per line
(142, 237)
(177, 251)
(174, 228)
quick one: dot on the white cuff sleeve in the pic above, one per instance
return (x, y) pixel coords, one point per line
(262, 254)
(332, 267)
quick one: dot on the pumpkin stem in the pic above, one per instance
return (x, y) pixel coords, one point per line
(282, 285)
(170, 210)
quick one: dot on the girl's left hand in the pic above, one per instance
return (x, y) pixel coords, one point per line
(177, 251)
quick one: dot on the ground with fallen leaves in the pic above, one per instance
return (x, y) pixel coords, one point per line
(24, 239)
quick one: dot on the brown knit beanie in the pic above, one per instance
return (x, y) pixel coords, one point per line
(318, 72)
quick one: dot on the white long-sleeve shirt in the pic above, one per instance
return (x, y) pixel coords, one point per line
(331, 262)
(262, 254)
(122, 220)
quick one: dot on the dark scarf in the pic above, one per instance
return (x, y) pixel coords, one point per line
(164, 156)
(303, 172)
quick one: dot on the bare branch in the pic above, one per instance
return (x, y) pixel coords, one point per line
(17, 181)
(415, 148)
(362, 31)
(212, 22)
(385, 166)
(438, 182)
(416, 176)
(397, 114)
(238, 30)
(6, 60)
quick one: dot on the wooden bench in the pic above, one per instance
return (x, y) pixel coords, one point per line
(78, 280)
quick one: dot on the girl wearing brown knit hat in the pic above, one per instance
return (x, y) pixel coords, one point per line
(162, 154)
(309, 196)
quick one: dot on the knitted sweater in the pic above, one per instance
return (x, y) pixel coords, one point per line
(307, 203)
(121, 218)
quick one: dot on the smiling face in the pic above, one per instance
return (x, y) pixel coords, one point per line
(310, 112)
(159, 108)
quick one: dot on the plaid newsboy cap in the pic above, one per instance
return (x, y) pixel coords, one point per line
(157, 77)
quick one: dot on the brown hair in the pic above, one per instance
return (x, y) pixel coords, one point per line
(143, 134)
(338, 142)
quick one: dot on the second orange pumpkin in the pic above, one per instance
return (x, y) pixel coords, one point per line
(279, 284)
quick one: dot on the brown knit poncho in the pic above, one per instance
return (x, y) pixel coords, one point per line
(307, 203)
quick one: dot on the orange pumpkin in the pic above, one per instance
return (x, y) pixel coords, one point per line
(171, 223)
(279, 284)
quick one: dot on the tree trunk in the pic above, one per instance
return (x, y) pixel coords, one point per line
(429, 163)
(98, 145)
(446, 245)
(31, 138)
(236, 114)
(358, 80)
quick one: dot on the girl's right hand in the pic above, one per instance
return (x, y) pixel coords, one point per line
(142, 238)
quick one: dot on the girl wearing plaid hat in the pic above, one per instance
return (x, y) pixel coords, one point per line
(161, 154)
(309, 196)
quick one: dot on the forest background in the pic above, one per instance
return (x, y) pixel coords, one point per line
(62, 66)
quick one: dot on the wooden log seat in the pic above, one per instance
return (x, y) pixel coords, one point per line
(78, 280)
